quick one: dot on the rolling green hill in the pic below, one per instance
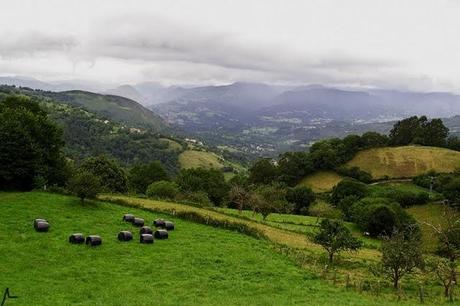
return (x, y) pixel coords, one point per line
(196, 159)
(198, 265)
(405, 162)
(115, 108)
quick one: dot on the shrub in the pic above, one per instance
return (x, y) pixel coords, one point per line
(198, 197)
(162, 190)
(301, 197)
(356, 173)
(85, 185)
(112, 176)
(141, 176)
(348, 187)
(325, 210)
(211, 181)
(345, 205)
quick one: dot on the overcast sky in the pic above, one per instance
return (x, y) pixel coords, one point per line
(389, 44)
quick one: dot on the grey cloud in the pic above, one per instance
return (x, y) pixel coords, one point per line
(30, 43)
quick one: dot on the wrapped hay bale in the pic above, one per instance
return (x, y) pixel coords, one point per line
(161, 234)
(77, 238)
(41, 225)
(138, 222)
(169, 225)
(93, 240)
(146, 230)
(146, 238)
(159, 223)
(125, 236)
(128, 218)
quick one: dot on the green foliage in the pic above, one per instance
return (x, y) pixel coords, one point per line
(356, 173)
(85, 185)
(325, 210)
(334, 237)
(453, 143)
(269, 199)
(30, 146)
(112, 177)
(293, 166)
(345, 205)
(373, 140)
(326, 154)
(200, 198)
(346, 188)
(415, 130)
(380, 216)
(162, 190)
(301, 197)
(142, 175)
(400, 255)
(263, 171)
(211, 181)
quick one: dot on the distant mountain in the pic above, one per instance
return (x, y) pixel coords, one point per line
(115, 108)
(22, 81)
(129, 92)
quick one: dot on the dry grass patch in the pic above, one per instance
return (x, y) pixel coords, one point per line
(321, 181)
(407, 161)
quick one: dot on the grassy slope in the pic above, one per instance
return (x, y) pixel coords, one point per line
(195, 159)
(431, 213)
(407, 161)
(198, 265)
(173, 145)
(321, 181)
(117, 108)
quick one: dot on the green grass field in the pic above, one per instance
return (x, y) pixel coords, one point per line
(321, 181)
(196, 159)
(407, 161)
(198, 265)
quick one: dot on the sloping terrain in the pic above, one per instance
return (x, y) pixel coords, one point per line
(197, 265)
(199, 159)
(406, 161)
(321, 181)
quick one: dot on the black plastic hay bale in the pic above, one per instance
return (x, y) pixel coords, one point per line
(39, 220)
(93, 240)
(146, 238)
(169, 225)
(146, 230)
(128, 218)
(159, 223)
(161, 234)
(138, 222)
(125, 236)
(41, 226)
(76, 238)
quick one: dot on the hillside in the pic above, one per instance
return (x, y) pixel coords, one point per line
(321, 181)
(199, 264)
(406, 161)
(196, 159)
(116, 108)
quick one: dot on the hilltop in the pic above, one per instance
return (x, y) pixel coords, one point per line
(405, 161)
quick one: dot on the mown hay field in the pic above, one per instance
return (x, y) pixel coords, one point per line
(406, 161)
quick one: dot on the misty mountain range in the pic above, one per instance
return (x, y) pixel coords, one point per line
(255, 117)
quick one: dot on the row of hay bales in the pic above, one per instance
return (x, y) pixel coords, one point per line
(146, 233)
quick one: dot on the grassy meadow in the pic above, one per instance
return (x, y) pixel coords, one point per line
(198, 265)
(407, 161)
(195, 159)
(321, 181)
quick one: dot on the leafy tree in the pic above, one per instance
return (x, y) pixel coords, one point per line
(445, 272)
(334, 237)
(240, 196)
(345, 205)
(113, 178)
(452, 190)
(263, 172)
(85, 185)
(270, 199)
(405, 131)
(325, 154)
(373, 140)
(239, 180)
(211, 181)
(434, 133)
(301, 197)
(163, 190)
(453, 143)
(30, 145)
(141, 176)
(293, 166)
(400, 255)
(346, 188)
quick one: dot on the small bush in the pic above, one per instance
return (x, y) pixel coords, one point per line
(348, 187)
(162, 190)
(356, 173)
(200, 198)
(325, 210)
